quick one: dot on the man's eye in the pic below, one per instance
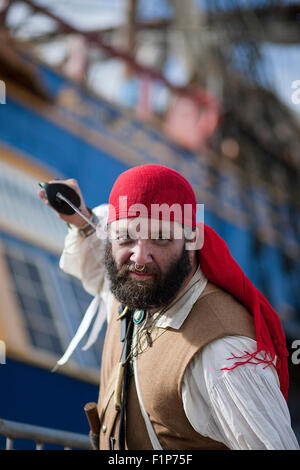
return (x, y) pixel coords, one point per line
(125, 239)
(161, 238)
(122, 238)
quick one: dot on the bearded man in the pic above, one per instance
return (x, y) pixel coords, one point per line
(194, 356)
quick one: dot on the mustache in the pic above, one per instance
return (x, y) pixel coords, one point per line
(128, 268)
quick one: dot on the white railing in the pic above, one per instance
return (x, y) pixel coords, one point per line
(41, 435)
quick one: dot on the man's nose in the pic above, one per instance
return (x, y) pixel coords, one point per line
(141, 252)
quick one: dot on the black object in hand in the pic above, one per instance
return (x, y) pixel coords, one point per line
(52, 189)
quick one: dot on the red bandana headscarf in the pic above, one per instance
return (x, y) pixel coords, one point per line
(157, 184)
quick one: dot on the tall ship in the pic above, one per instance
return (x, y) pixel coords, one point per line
(241, 159)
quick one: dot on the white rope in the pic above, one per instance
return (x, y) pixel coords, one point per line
(100, 319)
(82, 329)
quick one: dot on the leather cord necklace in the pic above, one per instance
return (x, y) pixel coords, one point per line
(126, 337)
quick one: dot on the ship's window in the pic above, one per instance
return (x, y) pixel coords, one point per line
(51, 301)
(32, 297)
(74, 302)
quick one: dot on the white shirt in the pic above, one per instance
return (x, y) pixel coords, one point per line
(244, 407)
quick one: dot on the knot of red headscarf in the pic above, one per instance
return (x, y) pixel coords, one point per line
(156, 184)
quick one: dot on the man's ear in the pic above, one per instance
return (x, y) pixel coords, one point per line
(195, 239)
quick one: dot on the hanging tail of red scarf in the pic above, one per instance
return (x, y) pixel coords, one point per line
(221, 269)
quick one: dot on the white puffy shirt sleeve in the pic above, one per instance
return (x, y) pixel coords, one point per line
(244, 407)
(84, 257)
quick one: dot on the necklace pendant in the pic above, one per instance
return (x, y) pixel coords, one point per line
(138, 316)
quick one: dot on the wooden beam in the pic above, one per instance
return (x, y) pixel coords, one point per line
(202, 98)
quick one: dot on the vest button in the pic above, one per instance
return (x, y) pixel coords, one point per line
(104, 428)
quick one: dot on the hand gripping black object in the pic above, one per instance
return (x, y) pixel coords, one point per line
(52, 191)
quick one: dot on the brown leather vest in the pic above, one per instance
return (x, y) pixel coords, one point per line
(161, 370)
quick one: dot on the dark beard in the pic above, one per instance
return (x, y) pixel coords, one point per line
(150, 293)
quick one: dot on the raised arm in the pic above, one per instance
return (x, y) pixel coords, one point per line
(83, 252)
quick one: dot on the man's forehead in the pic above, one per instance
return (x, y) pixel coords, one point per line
(143, 225)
